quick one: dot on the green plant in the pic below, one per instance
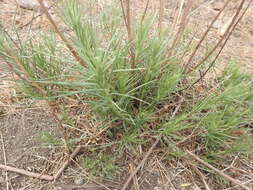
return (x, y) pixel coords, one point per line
(140, 79)
(49, 139)
(102, 165)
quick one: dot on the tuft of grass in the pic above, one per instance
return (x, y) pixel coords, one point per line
(139, 82)
(49, 139)
(101, 165)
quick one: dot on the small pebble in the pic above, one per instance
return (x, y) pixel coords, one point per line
(31, 4)
(218, 6)
(78, 181)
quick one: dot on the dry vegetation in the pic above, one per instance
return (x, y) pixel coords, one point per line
(42, 130)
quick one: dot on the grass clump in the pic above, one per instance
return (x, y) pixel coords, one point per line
(140, 82)
(49, 139)
(101, 164)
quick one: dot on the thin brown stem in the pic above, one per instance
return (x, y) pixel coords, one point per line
(26, 77)
(145, 11)
(182, 25)
(5, 161)
(201, 176)
(27, 173)
(53, 23)
(222, 47)
(129, 179)
(222, 38)
(161, 12)
(127, 19)
(205, 34)
(66, 163)
(239, 183)
(76, 151)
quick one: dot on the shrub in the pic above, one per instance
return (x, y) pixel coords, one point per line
(140, 80)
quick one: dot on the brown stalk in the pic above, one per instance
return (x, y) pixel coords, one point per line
(201, 176)
(223, 45)
(218, 171)
(205, 34)
(188, 45)
(53, 23)
(127, 19)
(27, 173)
(182, 26)
(145, 11)
(5, 161)
(161, 13)
(158, 138)
(26, 77)
(175, 21)
(135, 179)
(26, 74)
(11, 38)
(180, 7)
(141, 164)
(75, 152)
(222, 38)
(66, 163)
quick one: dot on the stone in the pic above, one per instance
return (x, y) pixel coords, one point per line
(217, 6)
(31, 4)
(217, 24)
(79, 180)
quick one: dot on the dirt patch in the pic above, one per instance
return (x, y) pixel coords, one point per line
(21, 137)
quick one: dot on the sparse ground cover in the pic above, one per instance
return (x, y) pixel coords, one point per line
(136, 88)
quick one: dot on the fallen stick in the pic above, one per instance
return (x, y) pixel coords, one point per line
(76, 151)
(33, 18)
(148, 153)
(66, 163)
(27, 173)
(141, 163)
(5, 162)
(218, 171)
(201, 176)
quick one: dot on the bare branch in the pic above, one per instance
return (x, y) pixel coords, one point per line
(206, 32)
(27, 173)
(218, 171)
(71, 49)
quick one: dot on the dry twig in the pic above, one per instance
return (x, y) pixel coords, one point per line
(218, 171)
(201, 176)
(76, 151)
(135, 179)
(205, 34)
(141, 164)
(5, 161)
(126, 11)
(225, 36)
(148, 153)
(33, 18)
(51, 20)
(27, 173)
(66, 163)
(182, 25)
(145, 11)
(161, 13)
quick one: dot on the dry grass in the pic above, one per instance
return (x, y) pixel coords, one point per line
(156, 174)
